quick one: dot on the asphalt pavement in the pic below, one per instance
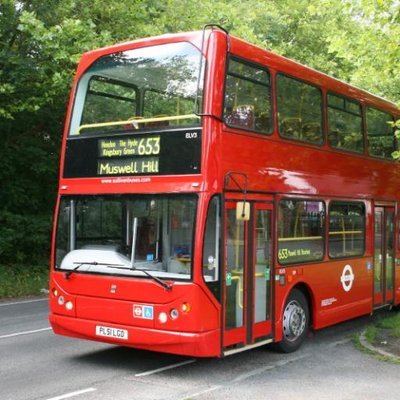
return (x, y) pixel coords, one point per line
(35, 364)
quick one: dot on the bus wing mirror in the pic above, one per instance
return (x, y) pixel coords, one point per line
(243, 211)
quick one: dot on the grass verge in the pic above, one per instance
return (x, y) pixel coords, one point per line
(382, 339)
(22, 280)
(370, 333)
(392, 324)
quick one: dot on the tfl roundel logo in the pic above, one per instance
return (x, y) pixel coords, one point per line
(347, 278)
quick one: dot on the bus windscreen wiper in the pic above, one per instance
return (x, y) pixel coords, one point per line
(165, 285)
(80, 263)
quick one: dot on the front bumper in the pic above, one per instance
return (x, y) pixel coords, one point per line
(204, 344)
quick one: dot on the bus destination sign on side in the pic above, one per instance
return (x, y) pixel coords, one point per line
(162, 153)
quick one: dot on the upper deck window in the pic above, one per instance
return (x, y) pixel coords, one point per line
(107, 99)
(299, 110)
(381, 140)
(248, 97)
(153, 86)
(345, 124)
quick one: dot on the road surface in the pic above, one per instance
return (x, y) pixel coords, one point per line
(38, 365)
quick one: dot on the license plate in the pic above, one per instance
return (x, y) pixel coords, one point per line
(115, 333)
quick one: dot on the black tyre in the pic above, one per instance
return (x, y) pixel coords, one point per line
(295, 322)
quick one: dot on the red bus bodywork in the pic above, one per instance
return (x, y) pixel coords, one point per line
(275, 168)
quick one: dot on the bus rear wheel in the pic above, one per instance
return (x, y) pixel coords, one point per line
(295, 322)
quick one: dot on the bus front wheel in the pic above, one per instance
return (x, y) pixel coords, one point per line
(295, 322)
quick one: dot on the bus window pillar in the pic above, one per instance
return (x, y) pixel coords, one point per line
(72, 226)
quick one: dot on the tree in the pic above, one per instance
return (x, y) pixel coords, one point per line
(40, 45)
(396, 126)
(371, 45)
(41, 42)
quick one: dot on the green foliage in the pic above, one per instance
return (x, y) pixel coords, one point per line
(370, 334)
(391, 323)
(396, 126)
(370, 45)
(20, 280)
(41, 42)
(24, 238)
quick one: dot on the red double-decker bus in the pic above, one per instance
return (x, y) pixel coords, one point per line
(215, 197)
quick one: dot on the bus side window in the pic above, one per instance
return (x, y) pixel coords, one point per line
(242, 116)
(381, 139)
(346, 229)
(248, 97)
(300, 110)
(211, 247)
(345, 124)
(301, 231)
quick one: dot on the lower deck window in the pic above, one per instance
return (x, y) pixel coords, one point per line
(211, 251)
(346, 229)
(126, 234)
(301, 231)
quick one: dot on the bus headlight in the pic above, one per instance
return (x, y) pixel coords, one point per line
(61, 300)
(163, 317)
(69, 305)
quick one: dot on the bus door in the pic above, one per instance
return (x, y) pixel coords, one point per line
(248, 277)
(384, 255)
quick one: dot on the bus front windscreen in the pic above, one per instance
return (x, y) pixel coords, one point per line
(124, 235)
(143, 88)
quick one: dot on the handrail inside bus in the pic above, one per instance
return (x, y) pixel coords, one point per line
(300, 238)
(346, 232)
(135, 120)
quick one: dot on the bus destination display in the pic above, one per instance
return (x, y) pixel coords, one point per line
(166, 153)
(128, 156)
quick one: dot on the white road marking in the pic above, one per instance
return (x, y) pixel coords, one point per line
(22, 302)
(240, 378)
(261, 370)
(172, 366)
(258, 371)
(205, 391)
(73, 394)
(24, 333)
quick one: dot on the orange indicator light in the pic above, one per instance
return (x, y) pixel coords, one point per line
(186, 308)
